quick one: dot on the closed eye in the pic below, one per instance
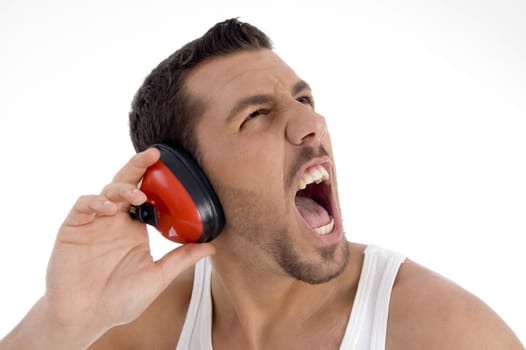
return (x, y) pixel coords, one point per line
(255, 114)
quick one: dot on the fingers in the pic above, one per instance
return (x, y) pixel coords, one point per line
(86, 208)
(182, 258)
(133, 171)
(123, 189)
(120, 194)
(124, 193)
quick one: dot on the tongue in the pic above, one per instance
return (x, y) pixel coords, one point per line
(312, 212)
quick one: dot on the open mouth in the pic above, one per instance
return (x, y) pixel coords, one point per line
(313, 199)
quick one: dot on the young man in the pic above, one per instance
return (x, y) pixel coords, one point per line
(281, 274)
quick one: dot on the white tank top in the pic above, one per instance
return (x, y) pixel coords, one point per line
(367, 325)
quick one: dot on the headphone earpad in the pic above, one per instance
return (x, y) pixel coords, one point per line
(185, 206)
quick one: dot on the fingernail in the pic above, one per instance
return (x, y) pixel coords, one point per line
(139, 195)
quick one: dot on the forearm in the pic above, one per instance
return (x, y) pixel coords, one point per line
(39, 330)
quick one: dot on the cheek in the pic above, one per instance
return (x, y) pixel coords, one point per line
(248, 168)
(250, 214)
(249, 191)
(249, 165)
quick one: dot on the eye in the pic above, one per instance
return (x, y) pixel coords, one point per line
(306, 100)
(254, 115)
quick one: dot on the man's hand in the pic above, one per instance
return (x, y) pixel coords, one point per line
(101, 273)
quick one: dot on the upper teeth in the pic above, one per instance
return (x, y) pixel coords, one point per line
(314, 174)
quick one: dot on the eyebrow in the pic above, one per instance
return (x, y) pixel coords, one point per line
(300, 86)
(262, 99)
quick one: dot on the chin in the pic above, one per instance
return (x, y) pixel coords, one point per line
(327, 263)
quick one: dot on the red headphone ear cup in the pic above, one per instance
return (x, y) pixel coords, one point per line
(186, 207)
(178, 218)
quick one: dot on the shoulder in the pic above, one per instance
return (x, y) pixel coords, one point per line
(429, 311)
(159, 326)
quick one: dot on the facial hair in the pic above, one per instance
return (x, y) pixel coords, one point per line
(250, 217)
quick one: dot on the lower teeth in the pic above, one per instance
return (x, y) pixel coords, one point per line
(323, 230)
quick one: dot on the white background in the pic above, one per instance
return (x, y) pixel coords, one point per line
(425, 101)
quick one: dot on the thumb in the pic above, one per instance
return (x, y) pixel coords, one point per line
(182, 258)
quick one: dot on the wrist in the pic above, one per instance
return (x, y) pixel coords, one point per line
(40, 329)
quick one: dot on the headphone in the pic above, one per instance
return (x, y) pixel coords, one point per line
(181, 204)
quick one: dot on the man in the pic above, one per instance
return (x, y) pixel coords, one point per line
(281, 274)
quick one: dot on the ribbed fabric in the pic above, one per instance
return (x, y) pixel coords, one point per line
(367, 326)
(197, 329)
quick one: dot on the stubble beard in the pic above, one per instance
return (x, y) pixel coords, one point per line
(331, 264)
(251, 219)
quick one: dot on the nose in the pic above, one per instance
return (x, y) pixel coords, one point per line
(305, 126)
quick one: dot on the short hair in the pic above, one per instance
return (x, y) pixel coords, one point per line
(163, 111)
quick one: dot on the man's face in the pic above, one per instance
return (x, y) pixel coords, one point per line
(268, 155)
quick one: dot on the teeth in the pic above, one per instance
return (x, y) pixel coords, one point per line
(323, 230)
(316, 174)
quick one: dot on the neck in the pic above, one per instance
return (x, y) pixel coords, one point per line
(258, 299)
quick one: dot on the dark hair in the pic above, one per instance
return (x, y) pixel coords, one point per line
(162, 109)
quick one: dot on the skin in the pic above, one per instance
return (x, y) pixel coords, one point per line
(254, 161)
(258, 181)
(260, 193)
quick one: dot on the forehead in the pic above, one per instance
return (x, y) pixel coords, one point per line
(233, 76)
